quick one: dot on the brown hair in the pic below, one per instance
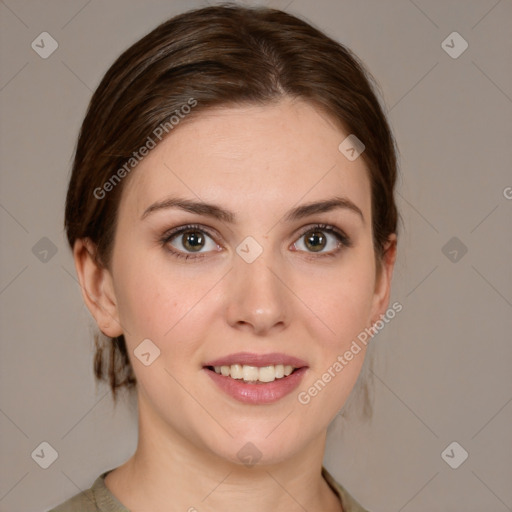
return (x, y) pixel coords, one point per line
(216, 56)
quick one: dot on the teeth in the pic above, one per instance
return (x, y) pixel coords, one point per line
(255, 373)
(235, 371)
(250, 373)
(267, 374)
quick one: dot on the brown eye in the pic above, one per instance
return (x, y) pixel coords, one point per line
(193, 240)
(315, 240)
(190, 240)
(322, 239)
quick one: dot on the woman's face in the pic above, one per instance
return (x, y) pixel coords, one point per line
(257, 274)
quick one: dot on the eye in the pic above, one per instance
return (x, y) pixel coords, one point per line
(188, 241)
(322, 239)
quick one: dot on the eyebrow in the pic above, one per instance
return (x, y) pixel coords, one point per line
(215, 211)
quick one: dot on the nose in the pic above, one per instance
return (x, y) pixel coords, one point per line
(258, 301)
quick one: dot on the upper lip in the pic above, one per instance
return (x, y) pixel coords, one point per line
(259, 360)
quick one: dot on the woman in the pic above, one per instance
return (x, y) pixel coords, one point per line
(233, 224)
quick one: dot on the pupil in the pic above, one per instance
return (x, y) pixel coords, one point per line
(193, 240)
(316, 241)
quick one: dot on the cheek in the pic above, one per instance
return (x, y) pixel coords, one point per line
(145, 303)
(161, 301)
(342, 299)
(344, 304)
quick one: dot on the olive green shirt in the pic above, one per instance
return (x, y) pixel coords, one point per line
(99, 499)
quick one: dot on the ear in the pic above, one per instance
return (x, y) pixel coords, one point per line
(383, 279)
(97, 288)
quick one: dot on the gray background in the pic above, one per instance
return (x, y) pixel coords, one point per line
(442, 366)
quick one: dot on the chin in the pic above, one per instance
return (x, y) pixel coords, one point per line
(259, 446)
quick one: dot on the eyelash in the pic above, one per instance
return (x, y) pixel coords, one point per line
(169, 235)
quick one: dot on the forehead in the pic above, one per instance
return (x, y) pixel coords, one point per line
(251, 157)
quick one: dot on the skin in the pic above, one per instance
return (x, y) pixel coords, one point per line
(258, 162)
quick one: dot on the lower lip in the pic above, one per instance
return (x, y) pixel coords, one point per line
(260, 393)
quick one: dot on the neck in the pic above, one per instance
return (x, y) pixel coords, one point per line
(167, 468)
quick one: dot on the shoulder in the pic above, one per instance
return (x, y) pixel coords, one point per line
(348, 502)
(83, 502)
(96, 499)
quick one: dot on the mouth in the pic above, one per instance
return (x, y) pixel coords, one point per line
(254, 374)
(256, 379)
